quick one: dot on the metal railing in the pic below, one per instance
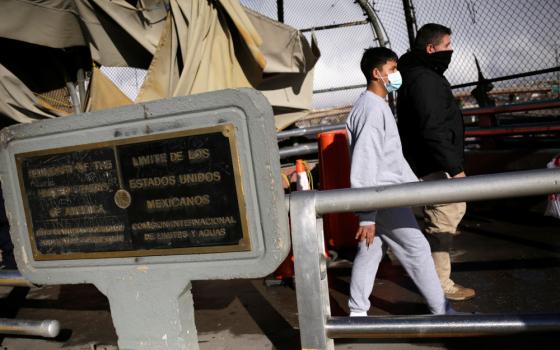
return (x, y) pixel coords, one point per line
(311, 147)
(41, 328)
(317, 327)
(13, 278)
(45, 328)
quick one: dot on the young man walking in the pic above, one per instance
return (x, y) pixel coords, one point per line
(376, 160)
(432, 131)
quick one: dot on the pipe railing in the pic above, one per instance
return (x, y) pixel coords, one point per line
(311, 147)
(45, 328)
(442, 326)
(317, 327)
(298, 150)
(13, 278)
(472, 188)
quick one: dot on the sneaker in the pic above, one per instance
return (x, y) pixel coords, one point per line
(358, 314)
(459, 293)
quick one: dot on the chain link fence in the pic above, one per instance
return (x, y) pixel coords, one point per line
(507, 38)
(341, 47)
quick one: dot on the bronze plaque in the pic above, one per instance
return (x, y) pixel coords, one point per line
(164, 194)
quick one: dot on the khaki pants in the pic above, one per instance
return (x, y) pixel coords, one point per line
(441, 222)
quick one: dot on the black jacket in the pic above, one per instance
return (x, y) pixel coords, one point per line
(429, 119)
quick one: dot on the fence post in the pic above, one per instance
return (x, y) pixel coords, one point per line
(310, 273)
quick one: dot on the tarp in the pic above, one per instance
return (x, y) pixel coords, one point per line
(188, 46)
(18, 102)
(197, 51)
(103, 94)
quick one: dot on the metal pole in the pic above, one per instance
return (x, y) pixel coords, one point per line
(81, 88)
(73, 97)
(280, 9)
(13, 278)
(410, 21)
(376, 26)
(46, 328)
(439, 326)
(298, 150)
(309, 131)
(509, 77)
(472, 188)
(310, 273)
(334, 26)
(340, 88)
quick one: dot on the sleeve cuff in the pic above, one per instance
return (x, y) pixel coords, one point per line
(367, 223)
(454, 170)
(367, 218)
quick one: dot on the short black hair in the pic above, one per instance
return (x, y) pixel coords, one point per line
(375, 57)
(431, 33)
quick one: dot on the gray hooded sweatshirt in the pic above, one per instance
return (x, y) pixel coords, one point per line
(375, 147)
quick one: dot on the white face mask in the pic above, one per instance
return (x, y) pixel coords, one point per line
(394, 81)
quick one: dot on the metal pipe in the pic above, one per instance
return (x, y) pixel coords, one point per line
(472, 188)
(308, 131)
(513, 130)
(312, 292)
(517, 107)
(13, 278)
(46, 328)
(298, 150)
(375, 22)
(509, 77)
(439, 326)
(410, 18)
(73, 97)
(340, 88)
(80, 76)
(280, 9)
(333, 26)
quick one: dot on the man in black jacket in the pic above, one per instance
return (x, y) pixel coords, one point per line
(432, 131)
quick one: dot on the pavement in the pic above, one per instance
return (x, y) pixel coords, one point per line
(512, 259)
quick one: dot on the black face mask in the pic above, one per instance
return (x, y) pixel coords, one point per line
(440, 60)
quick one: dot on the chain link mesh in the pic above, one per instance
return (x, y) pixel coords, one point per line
(507, 38)
(58, 100)
(128, 79)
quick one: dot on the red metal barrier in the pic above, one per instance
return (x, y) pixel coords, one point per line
(512, 130)
(518, 107)
(334, 167)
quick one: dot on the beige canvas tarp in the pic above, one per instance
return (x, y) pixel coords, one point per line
(18, 102)
(197, 34)
(104, 94)
(196, 46)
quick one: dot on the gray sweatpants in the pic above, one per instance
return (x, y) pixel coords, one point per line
(396, 228)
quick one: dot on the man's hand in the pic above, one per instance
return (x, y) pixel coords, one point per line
(461, 174)
(366, 232)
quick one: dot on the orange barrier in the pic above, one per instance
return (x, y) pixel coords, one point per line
(334, 167)
(286, 269)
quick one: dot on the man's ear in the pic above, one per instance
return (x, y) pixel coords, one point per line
(374, 75)
(430, 48)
